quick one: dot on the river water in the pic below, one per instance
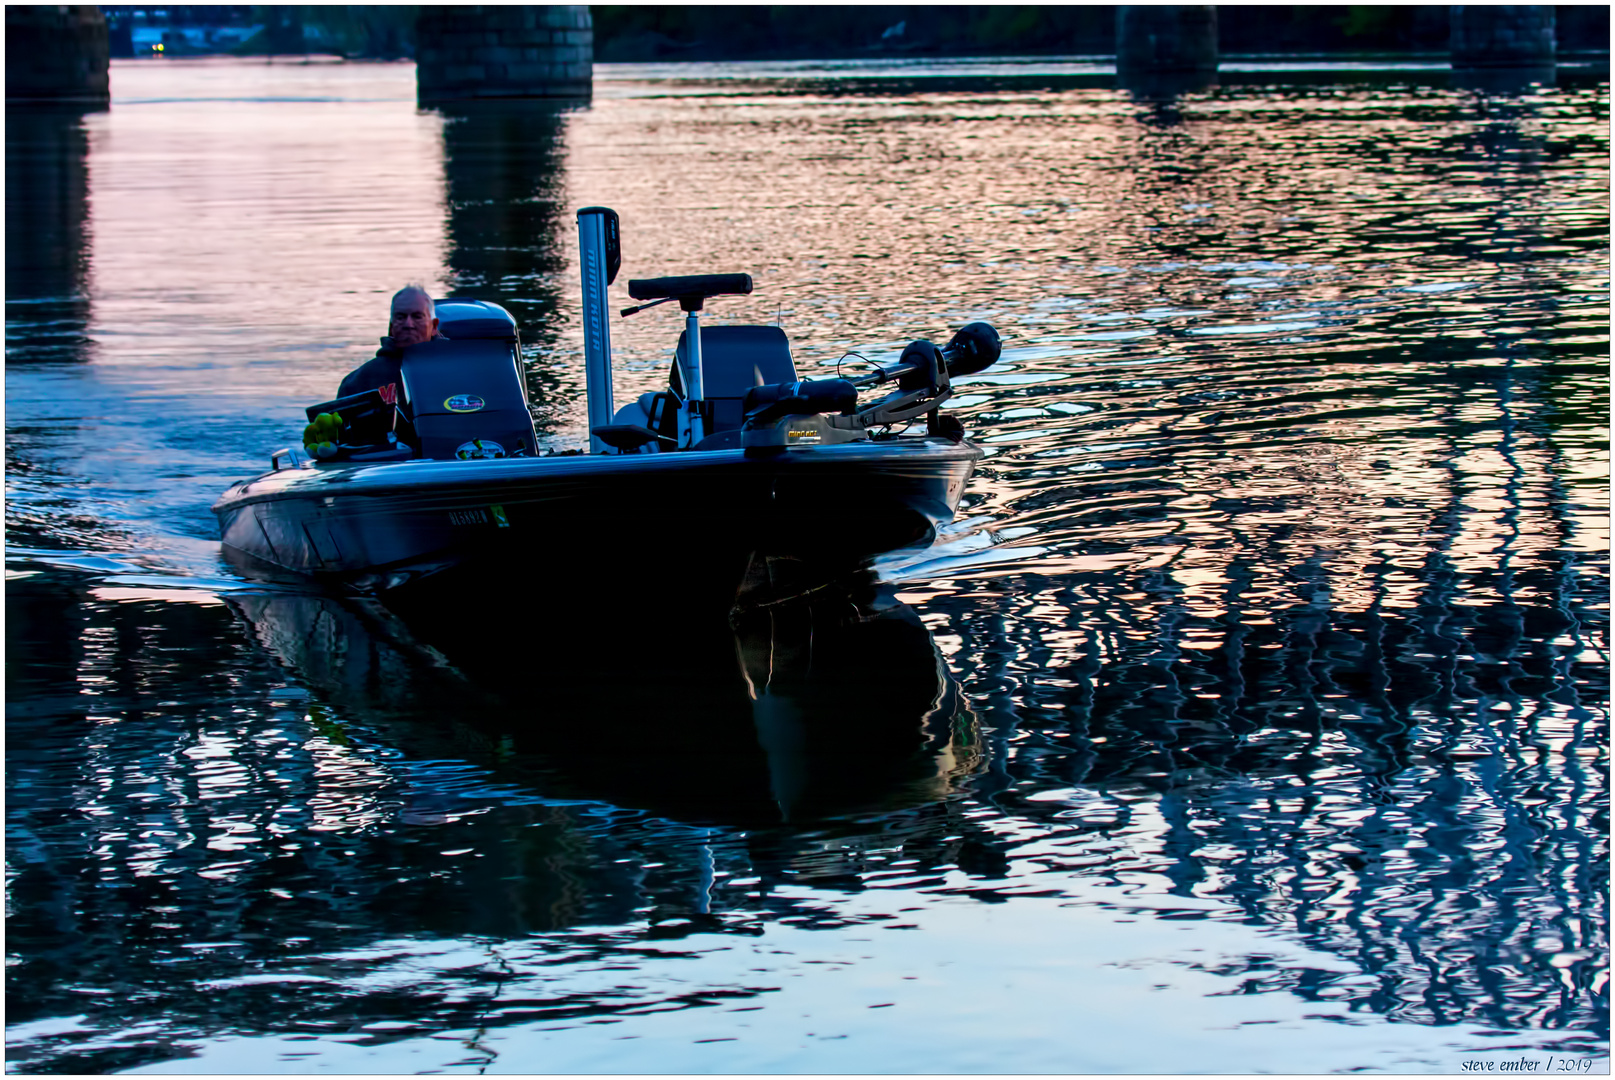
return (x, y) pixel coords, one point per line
(1253, 715)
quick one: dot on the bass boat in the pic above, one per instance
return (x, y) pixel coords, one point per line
(738, 455)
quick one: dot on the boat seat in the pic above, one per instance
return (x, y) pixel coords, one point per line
(656, 413)
(733, 360)
(691, 292)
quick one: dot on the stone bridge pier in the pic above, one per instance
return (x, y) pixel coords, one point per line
(1166, 49)
(1502, 47)
(57, 54)
(481, 52)
(1502, 36)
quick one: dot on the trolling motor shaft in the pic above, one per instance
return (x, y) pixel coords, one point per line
(976, 347)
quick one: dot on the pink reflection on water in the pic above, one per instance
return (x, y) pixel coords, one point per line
(250, 221)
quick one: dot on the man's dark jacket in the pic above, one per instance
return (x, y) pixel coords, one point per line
(381, 372)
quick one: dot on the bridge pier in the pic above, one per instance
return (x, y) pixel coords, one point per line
(1166, 48)
(1502, 36)
(472, 52)
(1502, 48)
(57, 54)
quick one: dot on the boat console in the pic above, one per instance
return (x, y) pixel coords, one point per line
(464, 395)
(468, 399)
(465, 387)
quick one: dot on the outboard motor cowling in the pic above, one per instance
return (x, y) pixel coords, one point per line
(461, 320)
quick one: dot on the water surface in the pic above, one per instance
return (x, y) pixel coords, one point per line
(1252, 716)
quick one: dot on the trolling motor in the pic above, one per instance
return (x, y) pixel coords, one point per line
(824, 411)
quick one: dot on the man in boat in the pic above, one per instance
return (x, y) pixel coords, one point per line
(414, 320)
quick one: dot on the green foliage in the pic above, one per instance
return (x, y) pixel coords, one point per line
(1310, 28)
(719, 32)
(1365, 20)
(1010, 25)
(641, 32)
(367, 29)
(371, 31)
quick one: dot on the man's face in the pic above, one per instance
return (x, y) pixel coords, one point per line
(412, 321)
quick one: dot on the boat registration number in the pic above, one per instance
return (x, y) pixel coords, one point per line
(478, 516)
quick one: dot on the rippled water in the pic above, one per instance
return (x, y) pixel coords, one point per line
(1252, 717)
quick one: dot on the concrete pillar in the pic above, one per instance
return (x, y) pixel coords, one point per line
(464, 53)
(1502, 36)
(57, 54)
(1153, 39)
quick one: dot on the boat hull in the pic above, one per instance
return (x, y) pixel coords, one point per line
(375, 527)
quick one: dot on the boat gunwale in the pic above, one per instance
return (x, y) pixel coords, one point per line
(396, 477)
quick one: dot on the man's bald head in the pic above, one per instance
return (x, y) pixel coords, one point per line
(414, 316)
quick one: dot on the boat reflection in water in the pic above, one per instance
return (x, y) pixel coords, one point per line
(828, 704)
